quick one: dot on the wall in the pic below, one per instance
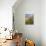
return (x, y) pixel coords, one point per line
(43, 22)
(29, 31)
(6, 13)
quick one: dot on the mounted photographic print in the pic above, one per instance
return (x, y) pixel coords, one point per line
(29, 19)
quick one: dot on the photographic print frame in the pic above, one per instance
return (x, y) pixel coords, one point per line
(29, 19)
